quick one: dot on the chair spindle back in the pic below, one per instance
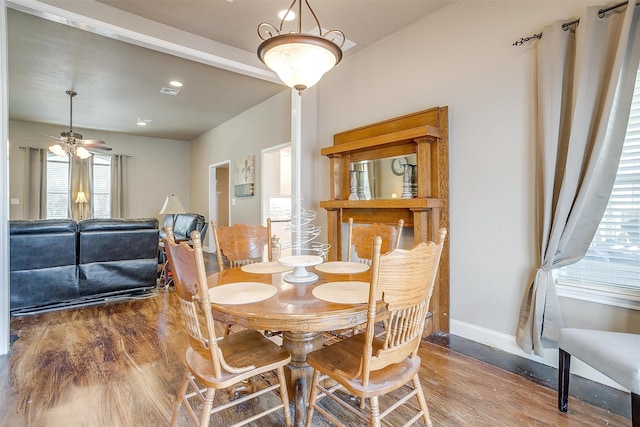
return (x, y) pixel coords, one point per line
(241, 244)
(360, 238)
(406, 279)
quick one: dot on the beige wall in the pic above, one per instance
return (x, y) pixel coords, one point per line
(157, 167)
(462, 57)
(265, 125)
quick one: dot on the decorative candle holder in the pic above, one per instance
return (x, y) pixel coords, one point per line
(406, 182)
(362, 194)
(353, 194)
(275, 248)
(414, 180)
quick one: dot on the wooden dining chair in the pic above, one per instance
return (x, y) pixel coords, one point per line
(369, 367)
(360, 239)
(241, 244)
(214, 364)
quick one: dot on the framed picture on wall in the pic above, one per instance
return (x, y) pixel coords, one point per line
(245, 175)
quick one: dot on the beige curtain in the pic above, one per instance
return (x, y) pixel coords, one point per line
(35, 183)
(80, 179)
(585, 87)
(119, 186)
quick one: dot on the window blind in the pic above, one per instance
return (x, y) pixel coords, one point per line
(101, 186)
(57, 186)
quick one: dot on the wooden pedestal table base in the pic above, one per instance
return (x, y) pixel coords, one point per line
(298, 373)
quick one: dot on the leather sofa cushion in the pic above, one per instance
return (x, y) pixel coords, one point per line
(117, 275)
(117, 254)
(97, 224)
(43, 286)
(42, 262)
(42, 244)
(105, 240)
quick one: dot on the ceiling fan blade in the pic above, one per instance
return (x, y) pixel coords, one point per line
(56, 138)
(90, 141)
(98, 147)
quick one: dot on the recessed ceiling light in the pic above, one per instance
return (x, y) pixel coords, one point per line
(143, 122)
(175, 83)
(290, 16)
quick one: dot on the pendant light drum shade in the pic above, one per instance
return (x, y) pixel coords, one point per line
(300, 60)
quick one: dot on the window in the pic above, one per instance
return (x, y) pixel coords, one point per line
(58, 186)
(611, 266)
(101, 186)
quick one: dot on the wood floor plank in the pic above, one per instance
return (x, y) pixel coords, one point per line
(120, 364)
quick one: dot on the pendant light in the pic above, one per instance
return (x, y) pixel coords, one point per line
(300, 59)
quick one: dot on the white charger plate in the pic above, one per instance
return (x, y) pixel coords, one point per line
(342, 267)
(265, 268)
(241, 293)
(348, 292)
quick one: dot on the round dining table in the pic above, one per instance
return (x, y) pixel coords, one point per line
(297, 313)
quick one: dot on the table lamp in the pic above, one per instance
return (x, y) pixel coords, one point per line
(81, 199)
(173, 207)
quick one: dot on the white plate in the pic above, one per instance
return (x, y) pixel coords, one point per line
(349, 292)
(241, 293)
(265, 268)
(342, 267)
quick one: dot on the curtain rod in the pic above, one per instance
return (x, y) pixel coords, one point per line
(601, 13)
(38, 148)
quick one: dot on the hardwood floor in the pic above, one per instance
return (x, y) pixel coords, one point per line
(119, 364)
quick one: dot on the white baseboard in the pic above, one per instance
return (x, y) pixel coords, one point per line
(508, 344)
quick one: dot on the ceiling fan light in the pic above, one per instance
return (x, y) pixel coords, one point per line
(58, 150)
(299, 60)
(82, 152)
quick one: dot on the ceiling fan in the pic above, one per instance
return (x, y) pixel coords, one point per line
(71, 142)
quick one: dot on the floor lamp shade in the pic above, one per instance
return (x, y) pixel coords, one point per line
(81, 199)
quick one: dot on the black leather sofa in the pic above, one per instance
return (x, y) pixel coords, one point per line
(61, 263)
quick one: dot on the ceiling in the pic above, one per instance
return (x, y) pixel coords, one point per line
(119, 82)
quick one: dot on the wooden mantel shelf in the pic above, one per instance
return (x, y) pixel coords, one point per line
(416, 203)
(398, 137)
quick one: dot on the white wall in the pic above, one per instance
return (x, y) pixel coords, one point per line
(157, 167)
(265, 125)
(462, 57)
(4, 188)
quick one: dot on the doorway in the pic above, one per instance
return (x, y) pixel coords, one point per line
(276, 192)
(219, 199)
